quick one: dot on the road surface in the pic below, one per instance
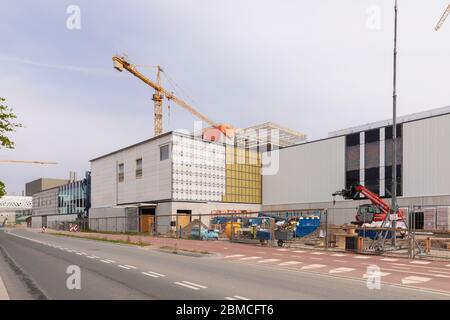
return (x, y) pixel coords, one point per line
(34, 266)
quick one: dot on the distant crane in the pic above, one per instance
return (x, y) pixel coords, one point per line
(121, 63)
(443, 18)
(27, 161)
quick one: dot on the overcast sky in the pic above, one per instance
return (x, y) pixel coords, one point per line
(315, 66)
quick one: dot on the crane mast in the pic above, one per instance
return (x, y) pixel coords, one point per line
(443, 18)
(121, 63)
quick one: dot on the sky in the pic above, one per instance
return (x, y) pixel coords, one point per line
(314, 66)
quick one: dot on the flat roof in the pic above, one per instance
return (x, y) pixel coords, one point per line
(133, 145)
(384, 123)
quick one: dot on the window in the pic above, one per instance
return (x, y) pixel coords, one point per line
(139, 168)
(120, 172)
(164, 152)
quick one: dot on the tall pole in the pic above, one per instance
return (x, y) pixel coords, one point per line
(394, 132)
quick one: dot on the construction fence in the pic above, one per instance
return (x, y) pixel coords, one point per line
(423, 234)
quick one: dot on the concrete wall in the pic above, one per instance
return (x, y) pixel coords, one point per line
(45, 202)
(155, 183)
(39, 185)
(310, 172)
(426, 157)
(36, 222)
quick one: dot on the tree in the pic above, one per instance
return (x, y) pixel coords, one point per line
(7, 125)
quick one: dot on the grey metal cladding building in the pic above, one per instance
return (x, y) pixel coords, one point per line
(312, 171)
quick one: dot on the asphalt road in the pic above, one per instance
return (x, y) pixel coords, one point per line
(34, 266)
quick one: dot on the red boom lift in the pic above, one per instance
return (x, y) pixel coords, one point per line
(368, 213)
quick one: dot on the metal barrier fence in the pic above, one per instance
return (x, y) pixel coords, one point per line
(324, 228)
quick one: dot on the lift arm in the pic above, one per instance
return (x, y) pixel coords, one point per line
(357, 189)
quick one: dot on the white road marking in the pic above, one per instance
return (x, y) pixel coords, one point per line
(282, 249)
(298, 251)
(401, 267)
(156, 274)
(241, 298)
(112, 261)
(339, 255)
(342, 261)
(129, 266)
(340, 270)
(235, 256)
(389, 259)
(105, 261)
(236, 298)
(420, 262)
(92, 257)
(448, 265)
(123, 267)
(381, 274)
(289, 263)
(194, 284)
(318, 253)
(441, 276)
(361, 257)
(187, 286)
(250, 258)
(414, 279)
(268, 260)
(150, 275)
(313, 266)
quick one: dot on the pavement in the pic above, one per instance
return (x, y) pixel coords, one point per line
(46, 262)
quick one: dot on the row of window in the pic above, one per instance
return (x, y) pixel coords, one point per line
(163, 155)
(372, 160)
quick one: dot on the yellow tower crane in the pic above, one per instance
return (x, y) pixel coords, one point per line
(121, 63)
(443, 18)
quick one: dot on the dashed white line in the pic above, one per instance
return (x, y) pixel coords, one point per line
(318, 253)
(195, 284)
(235, 256)
(376, 274)
(105, 261)
(92, 257)
(339, 255)
(129, 266)
(289, 263)
(361, 257)
(414, 279)
(299, 251)
(420, 262)
(236, 298)
(389, 259)
(190, 285)
(283, 249)
(268, 260)
(153, 274)
(123, 267)
(340, 270)
(250, 258)
(313, 266)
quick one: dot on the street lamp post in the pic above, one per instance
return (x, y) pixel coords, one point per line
(394, 134)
